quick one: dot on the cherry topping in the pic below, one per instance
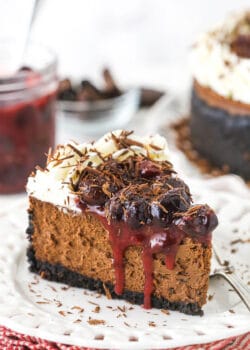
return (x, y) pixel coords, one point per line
(198, 220)
(175, 200)
(137, 213)
(149, 169)
(91, 191)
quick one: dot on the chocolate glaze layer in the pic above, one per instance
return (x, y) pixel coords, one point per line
(220, 136)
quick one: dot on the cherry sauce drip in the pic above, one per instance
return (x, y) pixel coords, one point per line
(141, 203)
(153, 239)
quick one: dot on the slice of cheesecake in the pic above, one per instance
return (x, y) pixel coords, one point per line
(113, 216)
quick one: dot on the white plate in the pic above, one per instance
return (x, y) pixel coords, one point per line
(37, 307)
(53, 311)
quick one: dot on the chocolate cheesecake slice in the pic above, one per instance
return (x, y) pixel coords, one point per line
(220, 103)
(114, 217)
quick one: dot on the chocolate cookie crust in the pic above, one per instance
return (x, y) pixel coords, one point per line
(59, 273)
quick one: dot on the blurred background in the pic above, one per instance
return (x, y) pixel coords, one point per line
(142, 41)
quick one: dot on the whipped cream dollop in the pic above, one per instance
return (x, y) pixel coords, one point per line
(55, 183)
(217, 66)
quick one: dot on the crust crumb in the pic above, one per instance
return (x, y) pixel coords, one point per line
(107, 291)
(95, 322)
(164, 311)
(78, 308)
(96, 309)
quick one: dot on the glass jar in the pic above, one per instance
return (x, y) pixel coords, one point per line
(27, 118)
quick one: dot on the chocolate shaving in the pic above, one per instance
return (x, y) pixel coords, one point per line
(130, 142)
(96, 309)
(77, 321)
(155, 147)
(164, 311)
(75, 149)
(42, 302)
(41, 169)
(236, 241)
(122, 309)
(210, 297)
(49, 155)
(107, 291)
(69, 166)
(63, 313)
(95, 322)
(78, 308)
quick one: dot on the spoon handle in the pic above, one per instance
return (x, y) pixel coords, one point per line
(241, 289)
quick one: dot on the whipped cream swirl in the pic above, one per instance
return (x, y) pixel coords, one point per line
(55, 183)
(216, 66)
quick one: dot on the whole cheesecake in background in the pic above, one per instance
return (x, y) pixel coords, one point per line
(220, 105)
(113, 216)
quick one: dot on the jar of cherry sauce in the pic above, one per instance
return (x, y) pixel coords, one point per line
(27, 118)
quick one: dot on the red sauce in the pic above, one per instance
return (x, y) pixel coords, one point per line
(27, 130)
(153, 239)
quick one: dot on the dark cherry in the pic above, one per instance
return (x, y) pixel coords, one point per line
(91, 192)
(131, 207)
(178, 183)
(149, 169)
(174, 200)
(134, 213)
(114, 209)
(137, 213)
(200, 223)
(205, 221)
(146, 203)
(160, 216)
